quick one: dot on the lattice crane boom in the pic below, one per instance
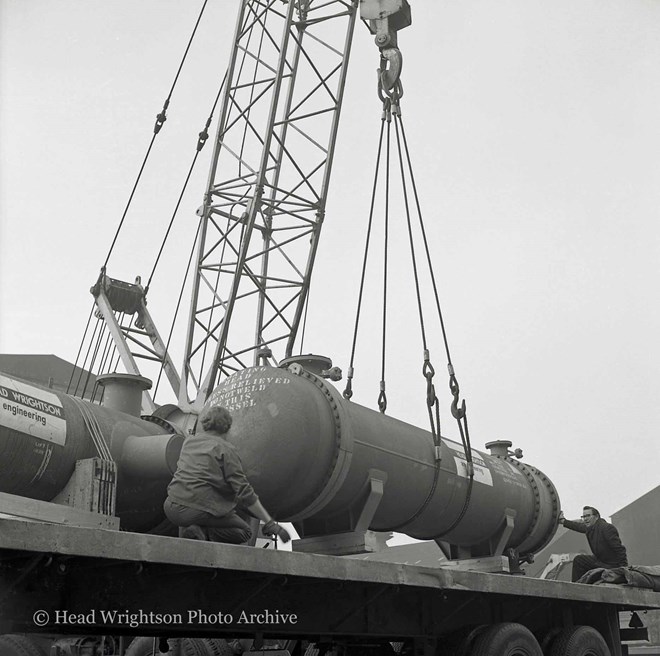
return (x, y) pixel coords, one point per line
(267, 190)
(266, 194)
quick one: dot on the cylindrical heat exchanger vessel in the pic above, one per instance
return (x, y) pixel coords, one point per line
(43, 433)
(309, 453)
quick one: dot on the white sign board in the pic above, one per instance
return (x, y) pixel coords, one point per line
(481, 472)
(32, 411)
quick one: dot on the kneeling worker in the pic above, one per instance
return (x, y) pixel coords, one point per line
(210, 485)
(604, 541)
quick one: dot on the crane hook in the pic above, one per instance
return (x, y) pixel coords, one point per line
(389, 73)
(457, 413)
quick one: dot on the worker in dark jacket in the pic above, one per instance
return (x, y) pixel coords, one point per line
(604, 541)
(210, 491)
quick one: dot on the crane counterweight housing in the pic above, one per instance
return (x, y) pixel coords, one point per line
(315, 456)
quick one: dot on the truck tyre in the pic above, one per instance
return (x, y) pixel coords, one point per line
(579, 641)
(188, 647)
(19, 645)
(507, 639)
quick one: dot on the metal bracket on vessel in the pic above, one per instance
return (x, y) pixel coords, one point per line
(359, 539)
(499, 560)
(506, 530)
(88, 499)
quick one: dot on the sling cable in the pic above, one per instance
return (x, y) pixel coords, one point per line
(125, 299)
(390, 92)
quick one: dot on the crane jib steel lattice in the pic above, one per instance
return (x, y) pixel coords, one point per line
(267, 188)
(265, 200)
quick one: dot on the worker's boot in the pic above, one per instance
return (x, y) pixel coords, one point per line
(193, 532)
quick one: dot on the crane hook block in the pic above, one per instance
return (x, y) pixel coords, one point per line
(385, 18)
(398, 11)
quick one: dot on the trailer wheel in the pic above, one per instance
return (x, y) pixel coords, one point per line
(579, 641)
(507, 639)
(19, 645)
(188, 647)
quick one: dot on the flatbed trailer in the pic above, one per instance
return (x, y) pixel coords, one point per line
(59, 579)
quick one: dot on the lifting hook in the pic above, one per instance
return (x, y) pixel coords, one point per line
(385, 18)
(389, 73)
(457, 413)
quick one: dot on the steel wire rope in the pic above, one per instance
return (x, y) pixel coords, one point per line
(83, 368)
(428, 257)
(113, 367)
(117, 359)
(80, 348)
(109, 349)
(160, 121)
(348, 391)
(431, 271)
(427, 369)
(93, 360)
(95, 432)
(178, 307)
(458, 413)
(468, 494)
(382, 396)
(201, 141)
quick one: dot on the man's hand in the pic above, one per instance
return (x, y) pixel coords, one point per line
(273, 528)
(560, 519)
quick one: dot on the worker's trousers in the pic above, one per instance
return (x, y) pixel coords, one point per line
(583, 563)
(231, 528)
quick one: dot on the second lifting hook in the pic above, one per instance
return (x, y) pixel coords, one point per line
(457, 413)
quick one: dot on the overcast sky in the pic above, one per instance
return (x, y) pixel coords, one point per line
(534, 132)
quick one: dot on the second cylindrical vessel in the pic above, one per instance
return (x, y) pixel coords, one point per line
(309, 454)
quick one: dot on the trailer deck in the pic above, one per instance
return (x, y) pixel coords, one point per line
(66, 579)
